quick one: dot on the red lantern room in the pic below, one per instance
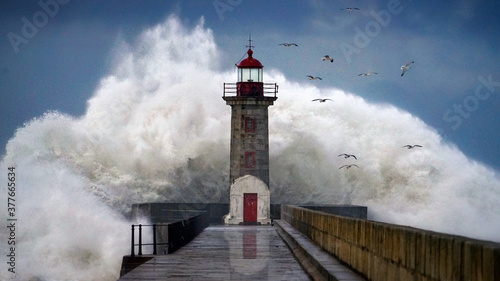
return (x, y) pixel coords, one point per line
(250, 77)
(250, 82)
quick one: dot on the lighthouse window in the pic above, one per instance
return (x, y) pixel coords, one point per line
(249, 159)
(250, 75)
(249, 124)
(240, 75)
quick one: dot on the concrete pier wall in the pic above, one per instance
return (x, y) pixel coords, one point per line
(169, 212)
(352, 211)
(381, 251)
(182, 232)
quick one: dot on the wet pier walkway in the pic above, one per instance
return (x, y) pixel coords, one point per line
(225, 253)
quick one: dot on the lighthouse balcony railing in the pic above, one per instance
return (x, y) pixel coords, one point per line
(231, 89)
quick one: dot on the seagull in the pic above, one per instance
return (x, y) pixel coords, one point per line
(350, 9)
(409, 146)
(406, 67)
(348, 166)
(321, 100)
(367, 73)
(313, 77)
(348, 155)
(289, 44)
(327, 57)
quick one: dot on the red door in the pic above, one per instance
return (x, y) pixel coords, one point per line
(250, 207)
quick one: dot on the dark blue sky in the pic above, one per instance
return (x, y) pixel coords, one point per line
(454, 85)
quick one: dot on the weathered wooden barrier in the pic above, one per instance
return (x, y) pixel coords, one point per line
(382, 251)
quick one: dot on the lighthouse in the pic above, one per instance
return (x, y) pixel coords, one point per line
(249, 99)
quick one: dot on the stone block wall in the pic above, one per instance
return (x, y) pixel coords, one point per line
(256, 141)
(382, 251)
(247, 140)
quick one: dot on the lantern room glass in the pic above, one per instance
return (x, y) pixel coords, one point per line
(250, 75)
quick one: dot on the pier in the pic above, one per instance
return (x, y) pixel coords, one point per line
(311, 244)
(238, 252)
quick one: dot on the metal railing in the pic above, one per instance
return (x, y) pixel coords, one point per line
(231, 89)
(177, 234)
(270, 88)
(140, 244)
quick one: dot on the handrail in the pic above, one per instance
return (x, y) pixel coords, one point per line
(140, 244)
(179, 233)
(231, 89)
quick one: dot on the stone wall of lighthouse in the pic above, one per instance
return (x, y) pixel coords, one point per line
(249, 159)
(249, 139)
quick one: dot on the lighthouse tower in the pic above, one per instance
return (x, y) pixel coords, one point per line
(249, 99)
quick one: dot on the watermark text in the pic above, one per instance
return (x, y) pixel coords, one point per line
(11, 220)
(31, 27)
(463, 110)
(223, 6)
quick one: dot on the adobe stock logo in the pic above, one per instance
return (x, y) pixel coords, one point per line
(222, 7)
(372, 28)
(40, 19)
(471, 102)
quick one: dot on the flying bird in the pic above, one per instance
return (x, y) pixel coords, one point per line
(348, 166)
(350, 9)
(347, 156)
(367, 74)
(289, 44)
(313, 77)
(406, 67)
(327, 57)
(409, 146)
(321, 100)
